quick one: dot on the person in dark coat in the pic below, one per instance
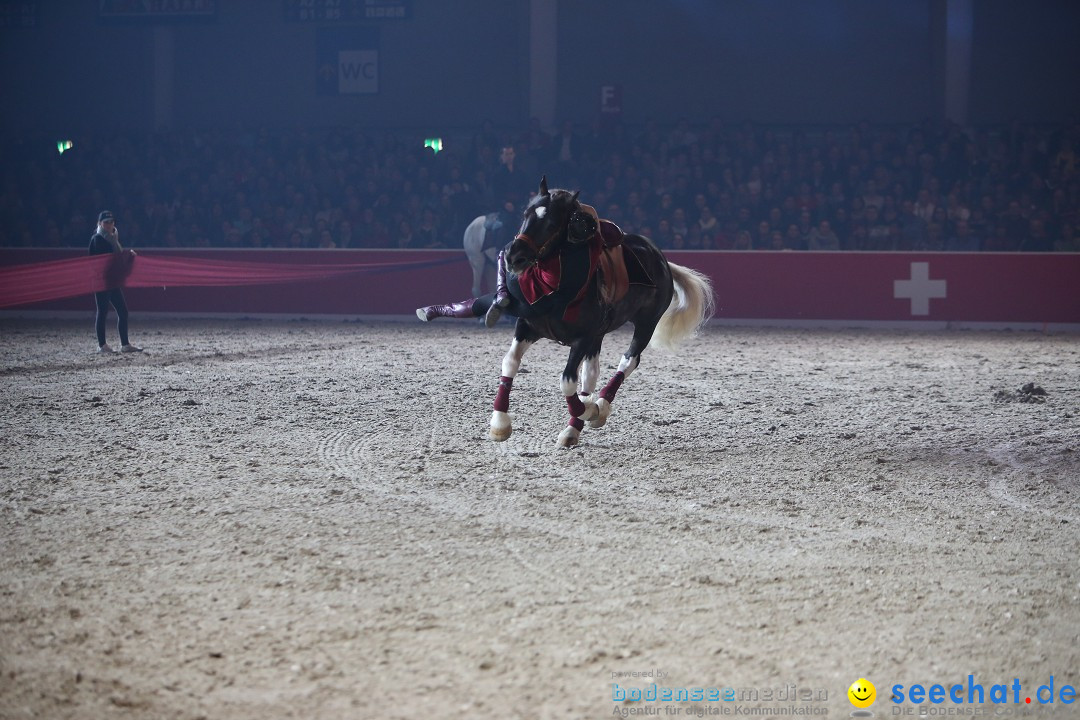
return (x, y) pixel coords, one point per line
(106, 240)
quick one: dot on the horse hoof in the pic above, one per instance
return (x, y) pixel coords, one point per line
(500, 426)
(568, 437)
(591, 412)
(603, 409)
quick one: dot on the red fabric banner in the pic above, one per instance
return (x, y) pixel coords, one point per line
(40, 282)
(752, 285)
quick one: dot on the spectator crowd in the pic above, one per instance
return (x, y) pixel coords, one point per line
(699, 186)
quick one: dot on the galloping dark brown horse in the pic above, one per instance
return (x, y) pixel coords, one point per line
(575, 290)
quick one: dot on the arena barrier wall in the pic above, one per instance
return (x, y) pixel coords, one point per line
(995, 288)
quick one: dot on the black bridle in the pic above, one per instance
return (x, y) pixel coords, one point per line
(551, 238)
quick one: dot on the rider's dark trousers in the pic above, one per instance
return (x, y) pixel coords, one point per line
(103, 299)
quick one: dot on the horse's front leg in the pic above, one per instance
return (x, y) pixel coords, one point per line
(500, 417)
(580, 411)
(590, 372)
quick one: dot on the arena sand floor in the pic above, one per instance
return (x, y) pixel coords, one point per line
(304, 519)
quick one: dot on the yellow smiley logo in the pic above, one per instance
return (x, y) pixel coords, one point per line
(862, 693)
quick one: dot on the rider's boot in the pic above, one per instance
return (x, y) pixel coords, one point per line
(502, 295)
(463, 309)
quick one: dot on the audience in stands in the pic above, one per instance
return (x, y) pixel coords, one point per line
(710, 186)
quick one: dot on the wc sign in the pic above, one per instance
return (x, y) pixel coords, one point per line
(347, 61)
(358, 71)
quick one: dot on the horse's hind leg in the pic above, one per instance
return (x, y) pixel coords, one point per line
(585, 350)
(474, 250)
(629, 362)
(477, 277)
(500, 416)
(491, 260)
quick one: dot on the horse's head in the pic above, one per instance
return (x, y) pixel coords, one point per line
(543, 232)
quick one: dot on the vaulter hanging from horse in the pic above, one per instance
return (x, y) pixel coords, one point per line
(573, 278)
(486, 235)
(551, 282)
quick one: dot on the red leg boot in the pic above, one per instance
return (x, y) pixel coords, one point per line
(463, 309)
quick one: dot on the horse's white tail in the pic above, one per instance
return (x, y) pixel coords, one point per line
(691, 307)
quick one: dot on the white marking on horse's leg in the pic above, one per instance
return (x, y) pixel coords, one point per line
(628, 365)
(500, 426)
(512, 360)
(590, 372)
